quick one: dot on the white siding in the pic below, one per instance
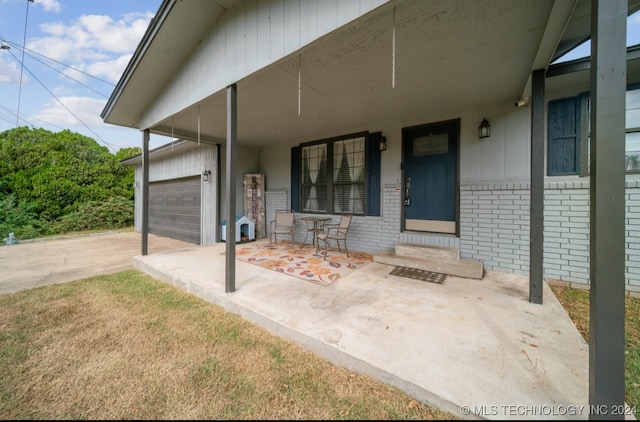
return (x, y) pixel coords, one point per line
(184, 163)
(246, 38)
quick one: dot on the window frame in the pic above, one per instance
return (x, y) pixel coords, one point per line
(585, 133)
(634, 129)
(330, 142)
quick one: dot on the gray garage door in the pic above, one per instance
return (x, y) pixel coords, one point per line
(174, 209)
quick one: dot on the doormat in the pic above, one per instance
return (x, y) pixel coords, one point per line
(418, 274)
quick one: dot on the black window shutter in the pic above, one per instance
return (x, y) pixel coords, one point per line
(295, 179)
(564, 137)
(373, 174)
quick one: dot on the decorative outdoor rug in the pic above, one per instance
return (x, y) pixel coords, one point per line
(418, 274)
(302, 261)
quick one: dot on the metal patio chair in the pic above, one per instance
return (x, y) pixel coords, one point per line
(337, 232)
(283, 224)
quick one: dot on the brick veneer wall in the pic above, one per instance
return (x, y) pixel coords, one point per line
(494, 227)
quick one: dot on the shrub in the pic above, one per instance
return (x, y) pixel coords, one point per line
(19, 219)
(114, 212)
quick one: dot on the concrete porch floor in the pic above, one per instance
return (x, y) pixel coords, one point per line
(476, 348)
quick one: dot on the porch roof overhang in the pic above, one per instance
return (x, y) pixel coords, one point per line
(449, 55)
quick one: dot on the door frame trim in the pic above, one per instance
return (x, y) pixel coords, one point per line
(405, 133)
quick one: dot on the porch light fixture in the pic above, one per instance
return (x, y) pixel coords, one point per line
(382, 146)
(205, 175)
(484, 130)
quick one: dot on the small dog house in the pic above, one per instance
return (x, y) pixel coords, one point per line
(245, 230)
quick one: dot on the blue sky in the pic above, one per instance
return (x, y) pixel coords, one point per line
(78, 38)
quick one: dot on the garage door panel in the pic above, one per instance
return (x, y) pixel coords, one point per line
(174, 209)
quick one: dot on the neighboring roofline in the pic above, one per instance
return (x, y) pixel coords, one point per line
(136, 159)
(153, 28)
(584, 63)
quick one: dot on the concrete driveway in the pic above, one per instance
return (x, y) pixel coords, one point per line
(37, 263)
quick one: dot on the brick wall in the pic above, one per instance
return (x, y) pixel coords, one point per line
(274, 200)
(494, 227)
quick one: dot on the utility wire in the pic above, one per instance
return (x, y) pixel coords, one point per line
(66, 76)
(63, 105)
(18, 46)
(24, 41)
(9, 115)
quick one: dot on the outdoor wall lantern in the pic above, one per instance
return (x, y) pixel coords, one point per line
(205, 175)
(383, 144)
(484, 130)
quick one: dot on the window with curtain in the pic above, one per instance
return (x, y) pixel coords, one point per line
(349, 176)
(333, 176)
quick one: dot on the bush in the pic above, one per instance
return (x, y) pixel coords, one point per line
(20, 220)
(62, 181)
(114, 212)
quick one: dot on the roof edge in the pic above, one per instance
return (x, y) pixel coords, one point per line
(153, 28)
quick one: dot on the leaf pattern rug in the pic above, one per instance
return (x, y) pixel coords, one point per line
(303, 261)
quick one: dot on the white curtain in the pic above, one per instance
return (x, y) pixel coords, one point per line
(357, 195)
(339, 151)
(354, 152)
(314, 158)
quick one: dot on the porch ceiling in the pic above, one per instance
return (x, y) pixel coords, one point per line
(448, 55)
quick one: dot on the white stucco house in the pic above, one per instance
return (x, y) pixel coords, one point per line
(373, 107)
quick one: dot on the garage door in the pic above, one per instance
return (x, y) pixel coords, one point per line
(174, 209)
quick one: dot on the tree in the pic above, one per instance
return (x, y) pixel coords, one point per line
(53, 174)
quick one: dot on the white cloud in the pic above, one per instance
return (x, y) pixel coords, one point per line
(9, 72)
(86, 109)
(97, 44)
(92, 35)
(49, 5)
(110, 70)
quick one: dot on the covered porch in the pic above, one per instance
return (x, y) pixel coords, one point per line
(480, 350)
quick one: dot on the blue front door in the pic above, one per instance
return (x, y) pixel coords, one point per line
(430, 157)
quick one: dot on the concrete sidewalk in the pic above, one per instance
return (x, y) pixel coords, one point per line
(476, 348)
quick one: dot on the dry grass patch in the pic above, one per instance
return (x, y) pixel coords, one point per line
(126, 346)
(576, 303)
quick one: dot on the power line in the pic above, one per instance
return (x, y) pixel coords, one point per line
(24, 41)
(63, 105)
(58, 62)
(67, 76)
(9, 115)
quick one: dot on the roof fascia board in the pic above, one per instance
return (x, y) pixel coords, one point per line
(137, 159)
(559, 18)
(147, 39)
